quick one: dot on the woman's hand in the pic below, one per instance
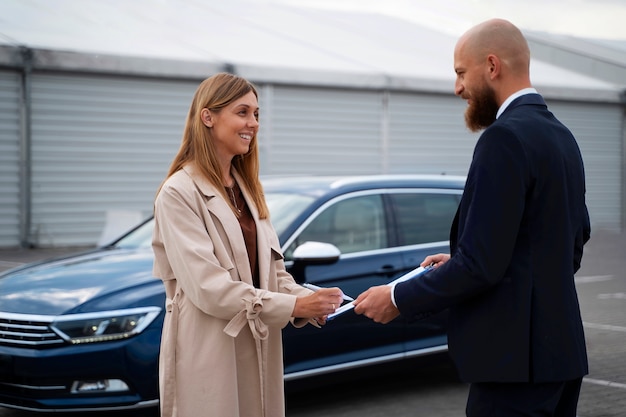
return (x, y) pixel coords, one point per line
(318, 305)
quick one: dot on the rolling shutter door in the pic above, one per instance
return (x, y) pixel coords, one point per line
(99, 144)
(597, 128)
(10, 133)
(427, 135)
(322, 131)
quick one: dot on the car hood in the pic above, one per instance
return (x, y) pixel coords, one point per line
(69, 285)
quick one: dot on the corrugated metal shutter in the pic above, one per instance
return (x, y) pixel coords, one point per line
(10, 99)
(428, 135)
(99, 144)
(598, 130)
(322, 131)
(104, 143)
(265, 126)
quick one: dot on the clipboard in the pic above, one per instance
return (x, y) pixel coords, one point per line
(409, 275)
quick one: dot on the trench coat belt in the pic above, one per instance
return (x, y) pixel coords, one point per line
(167, 402)
(251, 315)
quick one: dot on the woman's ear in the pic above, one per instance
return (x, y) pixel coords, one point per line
(207, 118)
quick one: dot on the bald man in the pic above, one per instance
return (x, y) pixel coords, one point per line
(515, 331)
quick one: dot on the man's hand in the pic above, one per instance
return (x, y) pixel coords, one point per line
(376, 304)
(436, 260)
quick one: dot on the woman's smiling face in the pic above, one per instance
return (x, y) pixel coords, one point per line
(234, 126)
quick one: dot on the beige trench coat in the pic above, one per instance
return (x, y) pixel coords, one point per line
(221, 347)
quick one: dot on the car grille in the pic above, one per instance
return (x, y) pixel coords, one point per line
(27, 330)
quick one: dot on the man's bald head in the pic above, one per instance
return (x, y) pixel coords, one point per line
(491, 61)
(501, 38)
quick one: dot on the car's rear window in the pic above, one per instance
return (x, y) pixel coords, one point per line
(424, 217)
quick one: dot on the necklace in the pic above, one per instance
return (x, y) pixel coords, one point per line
(233, 199)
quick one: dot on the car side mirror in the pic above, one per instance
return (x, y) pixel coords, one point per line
(313, 253)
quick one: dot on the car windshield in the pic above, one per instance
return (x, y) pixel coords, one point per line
(141, 237)
(284, 208)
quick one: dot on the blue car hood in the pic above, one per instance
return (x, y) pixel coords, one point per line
(69, 284)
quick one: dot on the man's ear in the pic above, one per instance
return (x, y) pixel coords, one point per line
(494, 66)
(207, 117)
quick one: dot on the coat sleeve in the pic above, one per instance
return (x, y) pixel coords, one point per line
(285, 281)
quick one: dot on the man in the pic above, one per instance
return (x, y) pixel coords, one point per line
(515, 330)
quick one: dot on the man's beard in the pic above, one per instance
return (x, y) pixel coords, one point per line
(482, 110)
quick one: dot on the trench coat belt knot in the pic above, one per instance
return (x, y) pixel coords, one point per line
(250, 315)
(167, 403)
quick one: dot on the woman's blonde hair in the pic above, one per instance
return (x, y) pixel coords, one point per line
(198, 148)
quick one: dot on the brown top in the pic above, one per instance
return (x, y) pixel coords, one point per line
(248, 227)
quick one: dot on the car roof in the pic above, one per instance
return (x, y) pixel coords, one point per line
(317, 185)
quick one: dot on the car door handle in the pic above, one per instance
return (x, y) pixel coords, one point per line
(388, 270)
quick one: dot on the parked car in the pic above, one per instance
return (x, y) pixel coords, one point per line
(82, 332)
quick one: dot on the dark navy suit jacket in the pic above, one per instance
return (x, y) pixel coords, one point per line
(516, 241)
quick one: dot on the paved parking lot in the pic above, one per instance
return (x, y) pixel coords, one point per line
(426, 388)
(601, 285)
(415, 390)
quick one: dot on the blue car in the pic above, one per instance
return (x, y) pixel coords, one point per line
(82, 333)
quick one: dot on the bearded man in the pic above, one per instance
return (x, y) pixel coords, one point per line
(515, 331)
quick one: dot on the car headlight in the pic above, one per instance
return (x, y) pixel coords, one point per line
(104, 326)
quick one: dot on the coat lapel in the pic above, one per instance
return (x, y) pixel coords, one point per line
(224, 214)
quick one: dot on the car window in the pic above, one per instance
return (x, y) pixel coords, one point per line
(353, 225)
(424, 217)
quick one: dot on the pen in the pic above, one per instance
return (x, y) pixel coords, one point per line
(316, 288)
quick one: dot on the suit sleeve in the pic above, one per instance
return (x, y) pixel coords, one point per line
(490, 214)
(582, 237)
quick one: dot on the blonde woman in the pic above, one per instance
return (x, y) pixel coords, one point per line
(228, 293)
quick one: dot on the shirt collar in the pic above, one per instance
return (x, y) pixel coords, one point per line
(512, 97)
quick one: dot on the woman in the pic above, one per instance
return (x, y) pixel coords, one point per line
(228, 293)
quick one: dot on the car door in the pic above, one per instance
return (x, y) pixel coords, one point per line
(357, 224)
(422, 225)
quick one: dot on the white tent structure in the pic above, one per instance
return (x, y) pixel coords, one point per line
(94, 96)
